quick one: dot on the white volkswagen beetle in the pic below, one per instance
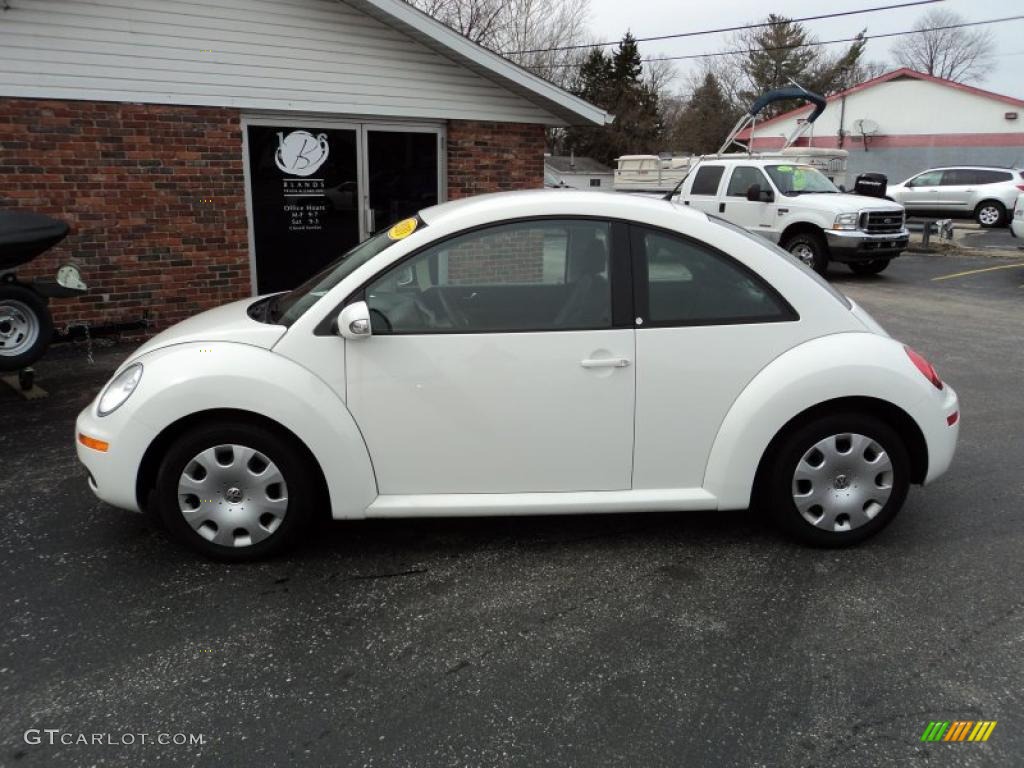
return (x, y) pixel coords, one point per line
(525, 353)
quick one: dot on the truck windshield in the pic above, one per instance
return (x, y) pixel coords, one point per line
(793, 180)
(286, 308)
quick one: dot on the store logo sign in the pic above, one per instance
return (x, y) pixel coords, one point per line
(300, 153)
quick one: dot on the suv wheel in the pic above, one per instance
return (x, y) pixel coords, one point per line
(810, 248)
(234, 491)
(990, 213)
(839, 479)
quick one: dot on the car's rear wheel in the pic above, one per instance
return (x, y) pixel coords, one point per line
(839, 479)
(235, 491)
(872, 267)
(990, 213)
(810, 248)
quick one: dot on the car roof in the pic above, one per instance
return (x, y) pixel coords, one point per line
(971, 168)
(498, 206)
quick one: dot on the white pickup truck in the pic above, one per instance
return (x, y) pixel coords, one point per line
(796, 206)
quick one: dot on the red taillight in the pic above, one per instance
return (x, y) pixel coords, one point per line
(953, 418)
(926, 368)
(1020, 187)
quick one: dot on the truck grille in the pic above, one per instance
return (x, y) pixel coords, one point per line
(881, 222)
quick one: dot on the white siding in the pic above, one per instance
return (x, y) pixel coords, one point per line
(283, 55)
(908, 106)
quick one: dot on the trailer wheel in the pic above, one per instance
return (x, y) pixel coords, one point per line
(25, 327)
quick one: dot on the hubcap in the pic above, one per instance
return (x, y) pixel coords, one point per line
(804, 253)
(19, 327)
(988, 215)
(232, 495)
(842, 482)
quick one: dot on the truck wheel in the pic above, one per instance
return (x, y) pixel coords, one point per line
(810, 248)
(990, 213)
(872, 267)
(25, 327)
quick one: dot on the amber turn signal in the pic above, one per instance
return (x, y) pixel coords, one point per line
(91, 442)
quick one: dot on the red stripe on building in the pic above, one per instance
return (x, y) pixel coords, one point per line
(855, 141)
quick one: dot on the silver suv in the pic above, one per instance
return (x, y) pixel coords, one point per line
(988, 194)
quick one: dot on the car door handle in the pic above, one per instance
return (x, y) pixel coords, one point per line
(721, 207)
(605, 362)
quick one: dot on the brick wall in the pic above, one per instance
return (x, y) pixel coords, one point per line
(154, 196)
(494, 157)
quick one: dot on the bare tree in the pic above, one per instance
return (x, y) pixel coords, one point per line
(522, 30)
(955, 54)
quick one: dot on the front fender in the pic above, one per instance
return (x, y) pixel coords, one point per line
(827, 368)
(188, 378)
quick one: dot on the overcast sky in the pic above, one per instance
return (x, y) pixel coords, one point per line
(610, 18)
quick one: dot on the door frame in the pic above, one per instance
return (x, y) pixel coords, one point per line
(341, 122)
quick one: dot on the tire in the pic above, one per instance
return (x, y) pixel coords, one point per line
(237, 457)
(872, 267)
(846, 483)
(810, 248)
(990, 213)
(26, 327)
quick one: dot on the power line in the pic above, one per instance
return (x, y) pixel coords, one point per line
(837, 14)
(805, 45)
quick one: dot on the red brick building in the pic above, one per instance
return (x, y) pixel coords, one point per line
(204, 155)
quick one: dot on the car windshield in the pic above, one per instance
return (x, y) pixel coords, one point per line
(793, 180)
(286, 308)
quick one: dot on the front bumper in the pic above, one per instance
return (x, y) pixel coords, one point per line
(113, 473)
(854, 245)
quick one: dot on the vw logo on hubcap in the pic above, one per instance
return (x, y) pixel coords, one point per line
(842, 482)
(234, 495)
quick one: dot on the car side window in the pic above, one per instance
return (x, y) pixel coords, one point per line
(689, 283)
(993, 177)
(521, 276)
(707, 179)
(928, 179)
(742, 177)
(959, 177)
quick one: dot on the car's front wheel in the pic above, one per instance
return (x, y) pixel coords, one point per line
(235, 491)
(839, 479)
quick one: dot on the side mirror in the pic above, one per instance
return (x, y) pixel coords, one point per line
(757, 195)
(354, 321)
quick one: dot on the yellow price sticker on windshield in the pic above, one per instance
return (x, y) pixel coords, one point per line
(403, 229)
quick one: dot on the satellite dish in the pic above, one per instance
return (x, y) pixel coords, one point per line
(865, 126)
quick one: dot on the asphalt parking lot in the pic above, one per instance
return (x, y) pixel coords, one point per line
(643, 640)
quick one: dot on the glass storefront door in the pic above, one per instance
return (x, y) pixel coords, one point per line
(317, 188)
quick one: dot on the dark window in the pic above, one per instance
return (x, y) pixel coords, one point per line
(706, 180)
(959, 177)
(926, 179)
(595, 182)
(993, 177)
(742, 177)
(689, 283)
(521, 276)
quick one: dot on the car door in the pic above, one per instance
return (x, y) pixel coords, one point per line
(704, 189)
(707, 326)
(500, 361)
(756, 216)
(921, 192)
(956, 189)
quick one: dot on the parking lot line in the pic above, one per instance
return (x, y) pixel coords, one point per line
(977, 271)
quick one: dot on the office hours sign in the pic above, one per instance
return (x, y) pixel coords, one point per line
(304, 193)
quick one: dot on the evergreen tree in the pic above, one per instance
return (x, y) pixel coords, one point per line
(706, 119)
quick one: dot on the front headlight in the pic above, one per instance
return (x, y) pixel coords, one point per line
(846, 221)
(119, 389)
